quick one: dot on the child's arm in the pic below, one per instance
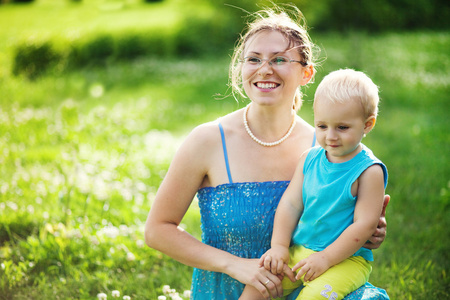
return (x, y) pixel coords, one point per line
(367, 213)
(288, 213)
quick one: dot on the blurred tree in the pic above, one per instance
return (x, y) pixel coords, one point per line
(370, 15)
(34, 58)
(381, 15)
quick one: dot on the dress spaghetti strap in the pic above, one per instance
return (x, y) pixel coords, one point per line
(314, 140)
(225, 154)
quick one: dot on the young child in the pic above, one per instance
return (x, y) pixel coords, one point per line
(335, 198)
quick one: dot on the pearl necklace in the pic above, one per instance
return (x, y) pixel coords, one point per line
(265, 144)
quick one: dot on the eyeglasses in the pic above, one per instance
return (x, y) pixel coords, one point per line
(276, 61)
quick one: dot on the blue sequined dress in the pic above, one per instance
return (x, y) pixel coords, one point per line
(238, 218)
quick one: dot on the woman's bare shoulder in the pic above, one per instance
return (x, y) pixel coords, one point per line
(203, 136)
(211, 129)
(207, 135)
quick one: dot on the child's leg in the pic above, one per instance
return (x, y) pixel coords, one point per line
(251, 293)
(338, 281)
(289, 287)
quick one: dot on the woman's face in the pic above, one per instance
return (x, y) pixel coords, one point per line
(269, 76)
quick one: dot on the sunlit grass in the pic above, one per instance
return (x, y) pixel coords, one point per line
(88, 16)
(71, 176)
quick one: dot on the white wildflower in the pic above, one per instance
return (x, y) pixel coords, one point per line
(94, 240)
(130, 256)
(102, 296)
(110, 231)
(140, 243)
(116, 294)
(187, 294)
(126, 297)
(12, 205)
(96, 90)
(166, 289)
(30, 209)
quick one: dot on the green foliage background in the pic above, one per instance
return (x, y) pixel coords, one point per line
(97, 95)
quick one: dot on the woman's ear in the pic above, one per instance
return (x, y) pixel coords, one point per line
(308, 73)
(369, 124)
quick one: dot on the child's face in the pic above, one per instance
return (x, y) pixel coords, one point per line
(340, 128)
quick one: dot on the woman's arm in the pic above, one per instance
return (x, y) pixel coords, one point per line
(367, 211)
(175, 194)
(186, 173)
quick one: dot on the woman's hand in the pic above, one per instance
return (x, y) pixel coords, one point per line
(248, 271)
(380, 233)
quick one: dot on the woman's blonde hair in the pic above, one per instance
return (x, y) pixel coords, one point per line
(290, 23)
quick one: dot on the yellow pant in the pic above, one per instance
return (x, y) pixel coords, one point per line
(335, 283)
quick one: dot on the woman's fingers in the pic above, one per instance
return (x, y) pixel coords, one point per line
(273, 284)
(289, 273)
(387, 198)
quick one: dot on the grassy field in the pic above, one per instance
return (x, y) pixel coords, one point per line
(83, 153)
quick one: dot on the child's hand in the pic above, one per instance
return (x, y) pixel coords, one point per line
(312, 267)
(274, 259)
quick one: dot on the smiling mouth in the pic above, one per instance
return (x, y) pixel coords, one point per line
(266, 85)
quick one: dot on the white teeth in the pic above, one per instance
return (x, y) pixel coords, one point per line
(266, 85)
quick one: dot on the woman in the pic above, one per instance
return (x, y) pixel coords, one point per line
(240, 165)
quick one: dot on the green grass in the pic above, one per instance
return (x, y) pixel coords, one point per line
(83, 153)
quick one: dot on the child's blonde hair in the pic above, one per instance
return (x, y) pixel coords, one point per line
(347, 84)
(290, 24)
